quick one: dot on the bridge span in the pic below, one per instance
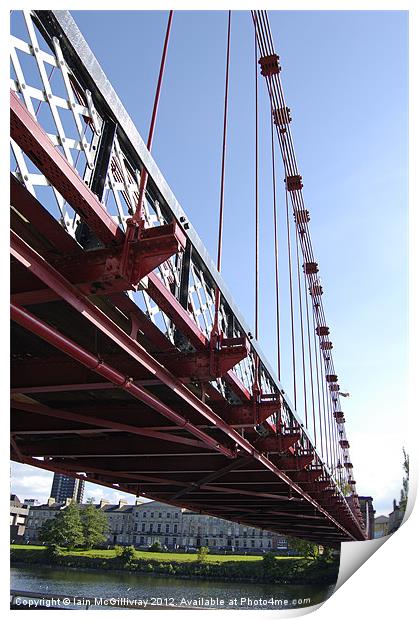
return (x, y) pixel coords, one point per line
(132, 367)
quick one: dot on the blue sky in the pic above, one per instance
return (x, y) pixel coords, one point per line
(345, 77)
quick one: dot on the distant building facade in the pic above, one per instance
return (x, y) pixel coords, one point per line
(145, 523)
(368, 512)
(66, 487)
(18, 516)
(395, 518)
(380, 526)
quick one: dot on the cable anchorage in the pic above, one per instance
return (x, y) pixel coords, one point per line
(269, 65)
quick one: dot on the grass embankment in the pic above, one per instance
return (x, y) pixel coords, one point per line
(248, 568)
(158, 557)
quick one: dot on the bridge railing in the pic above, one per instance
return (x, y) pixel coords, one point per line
(57, 77)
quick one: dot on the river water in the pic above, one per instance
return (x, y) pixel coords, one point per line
(154, 591)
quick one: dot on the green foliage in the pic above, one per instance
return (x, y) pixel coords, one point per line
(405, 488)
(328, 554)
(53, 552)
(128, 555)
(95, 525)
(156, 546)
(269, 561)
(202, 554)
(118, 550)
(304, 547)
(66, 530)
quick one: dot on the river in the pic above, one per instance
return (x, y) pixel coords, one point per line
(154, 591)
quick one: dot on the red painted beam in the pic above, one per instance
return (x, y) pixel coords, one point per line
(33, 140)
(75, 387)
(32, 210)
(53, 279)
(67, 346)
(175, 311)
(103, 422)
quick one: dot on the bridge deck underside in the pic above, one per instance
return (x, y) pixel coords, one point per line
(65, 417)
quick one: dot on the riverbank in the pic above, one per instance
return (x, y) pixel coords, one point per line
(250, 569)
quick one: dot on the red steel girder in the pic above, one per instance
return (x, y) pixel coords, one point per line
(99, 271)
(279, 443)
(293, 463)
(33, 140)
(118, 446)
(154, 245)
(54, 370)
(75, 387)
(207, 365)
(27, 205)
(33, 324)
(51, 277)
(66, 345)
(254, 411)
(184, 322)
(104, 423)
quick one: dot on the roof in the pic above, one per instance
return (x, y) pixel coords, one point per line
(381, 519)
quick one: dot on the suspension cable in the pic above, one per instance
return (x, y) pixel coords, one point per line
(144, 174)
(301, 327)
(318, 388)
(275, 224)
(276, 94)
(291, 299)
(310, 361)
(256, 196)
(221, 215)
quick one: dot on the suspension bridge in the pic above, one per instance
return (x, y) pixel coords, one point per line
(132, 367)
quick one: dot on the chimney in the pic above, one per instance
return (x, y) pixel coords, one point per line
(51, 501)
(103, 502)
(68, 501)
(138, 501)
(122, 502)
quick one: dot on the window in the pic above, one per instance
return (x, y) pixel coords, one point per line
(175, 528)
(143, 527)
(252, 543)
(167, 528)
(159, 515)
(168, 515)
(141, 540)
(158, 528)
(144, 514)
(151, 514)
(176, 515)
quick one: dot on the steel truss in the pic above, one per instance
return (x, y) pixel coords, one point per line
(114, 377)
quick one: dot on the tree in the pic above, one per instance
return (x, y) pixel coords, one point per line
(156, 546)
(405, 488)
(95, 525)
(303, 547)
(66, 530)
(202, 554)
